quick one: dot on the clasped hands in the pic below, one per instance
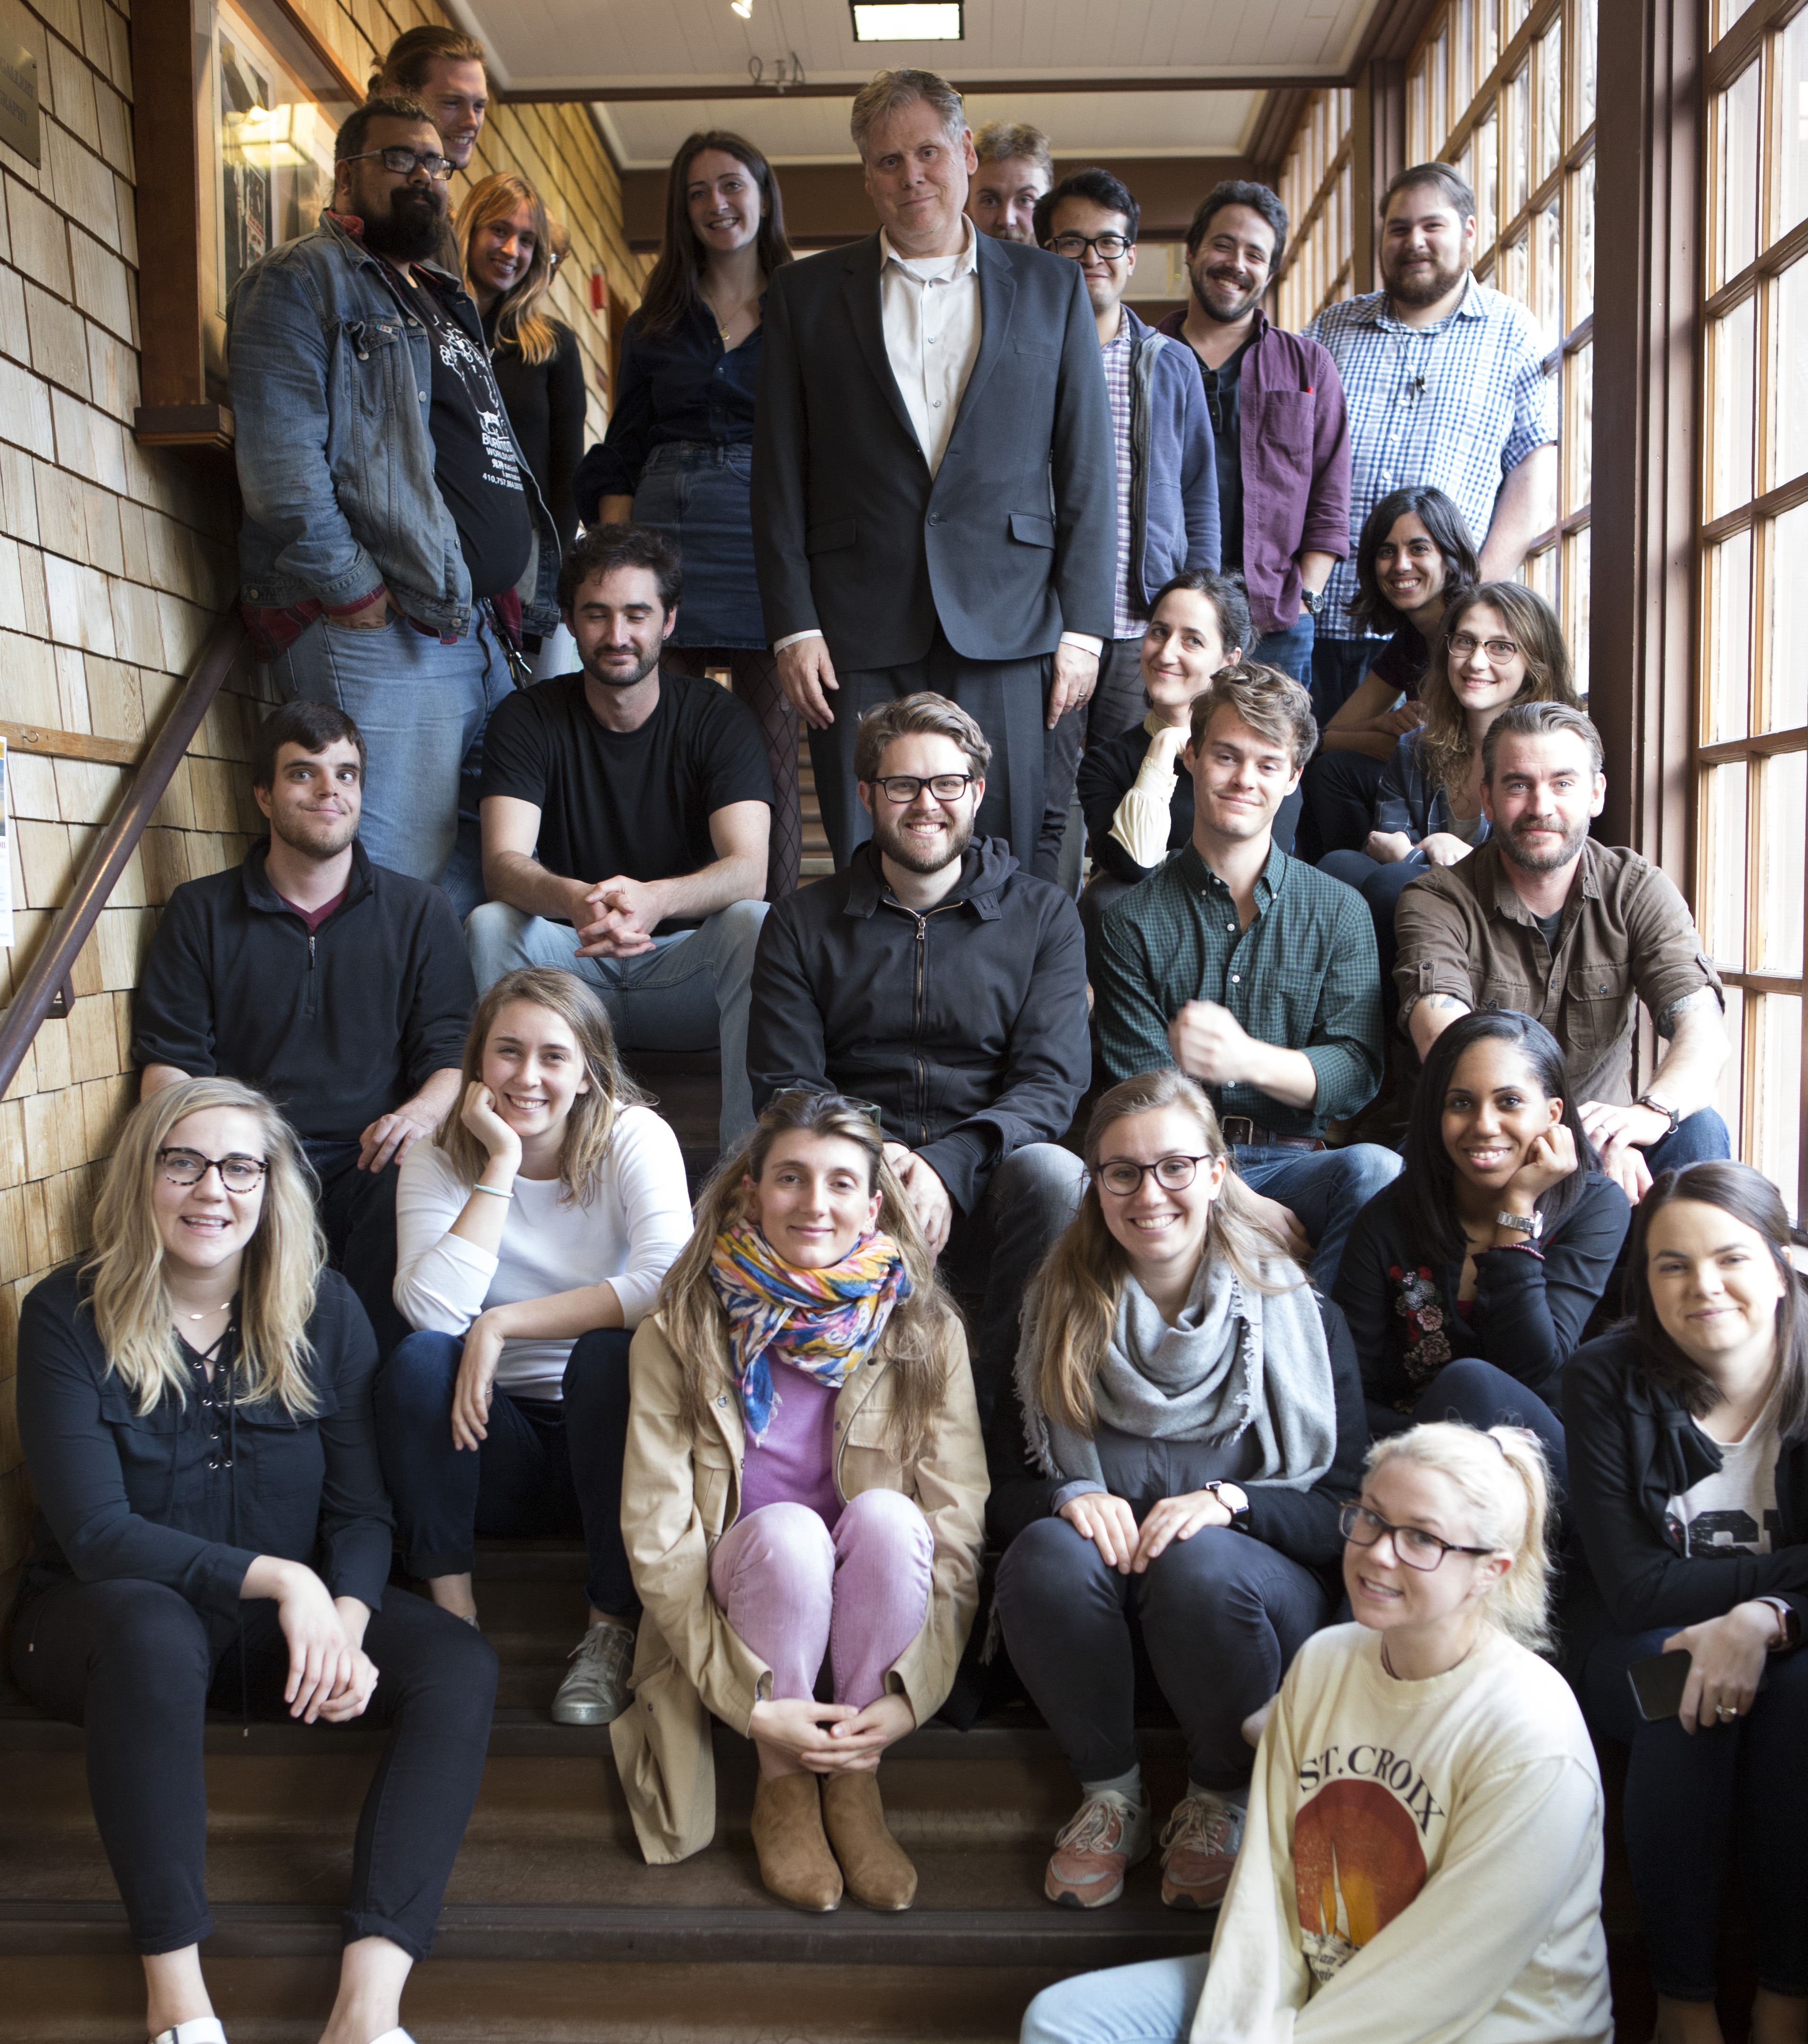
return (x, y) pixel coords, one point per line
(1111, 1523)
(832, 1738)
(330, 1675)
(616, 918)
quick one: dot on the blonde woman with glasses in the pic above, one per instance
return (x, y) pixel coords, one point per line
(1423, 1858)
(195, 1404)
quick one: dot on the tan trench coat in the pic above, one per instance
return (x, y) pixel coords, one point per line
(680, 1495)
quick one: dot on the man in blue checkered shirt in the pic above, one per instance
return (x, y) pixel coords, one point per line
(1446, 383)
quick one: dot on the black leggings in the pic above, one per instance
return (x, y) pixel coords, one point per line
(131, 1661)
(1222, 1616)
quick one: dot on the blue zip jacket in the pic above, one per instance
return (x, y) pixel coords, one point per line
(330, 375)
(1174, 516)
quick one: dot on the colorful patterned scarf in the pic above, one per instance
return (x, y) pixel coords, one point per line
(825, 1322)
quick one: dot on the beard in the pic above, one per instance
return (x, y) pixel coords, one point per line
(1528, 861)
(1424, 286)
(1221, 298)
(896, 846)
(315, 837)
(409, 231)
(619, 677)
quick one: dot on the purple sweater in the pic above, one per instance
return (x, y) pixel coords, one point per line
(794, 1463)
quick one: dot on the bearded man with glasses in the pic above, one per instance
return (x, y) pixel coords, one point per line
(394, 544)
(936, 978)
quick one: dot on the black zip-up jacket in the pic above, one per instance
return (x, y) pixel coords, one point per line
(338, 1027)
(966, 1026)
(1633, 1447)
(163, 1497)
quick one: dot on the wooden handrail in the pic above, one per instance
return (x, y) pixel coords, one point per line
(50, 970)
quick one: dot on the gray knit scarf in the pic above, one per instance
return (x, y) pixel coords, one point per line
(1237, 1360)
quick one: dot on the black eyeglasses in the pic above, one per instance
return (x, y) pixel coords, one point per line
(1416, 1547)
(405, 162)
(1110, 246)
(903, 788)
(189, 1167)
(1173, 1174)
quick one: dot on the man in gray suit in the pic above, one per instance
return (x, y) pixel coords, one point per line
(934, 482)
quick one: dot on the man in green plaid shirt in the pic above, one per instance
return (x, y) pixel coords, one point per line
(1255, 973)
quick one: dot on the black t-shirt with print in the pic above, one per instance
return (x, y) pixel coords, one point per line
(474, 458)
(634, 802)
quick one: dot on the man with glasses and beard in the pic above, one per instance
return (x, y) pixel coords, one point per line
(1445, 381)
(626, 811)
(1542, 918)
(394, 545)
(935, 978)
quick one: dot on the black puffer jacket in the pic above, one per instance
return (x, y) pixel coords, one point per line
(966, 1026)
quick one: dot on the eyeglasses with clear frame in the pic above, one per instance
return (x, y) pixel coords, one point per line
(1173, 1174)
(238, 1174)
(868, 1110)
(1110, 247)
(404, 163)
(1416, 1547)
(903, 789)
(1500, 652)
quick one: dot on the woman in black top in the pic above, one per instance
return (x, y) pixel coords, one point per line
(1688, 1436)
(506, 244)
(1414, 559)
(195, 1406)
(678, 452)
(1467, 1281)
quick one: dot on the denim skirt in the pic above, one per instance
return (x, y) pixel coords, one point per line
(699, 496)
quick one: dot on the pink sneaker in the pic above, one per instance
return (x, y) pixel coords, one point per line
(1105, 1836)
(1199, 1847)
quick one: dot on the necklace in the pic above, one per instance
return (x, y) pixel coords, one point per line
(206, 1310)
(723, 325)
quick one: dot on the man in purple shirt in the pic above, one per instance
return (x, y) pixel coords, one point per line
(1279, 428)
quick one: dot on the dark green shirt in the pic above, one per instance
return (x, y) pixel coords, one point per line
(1304, 976)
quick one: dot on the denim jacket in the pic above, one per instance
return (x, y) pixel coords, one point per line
(330, 377)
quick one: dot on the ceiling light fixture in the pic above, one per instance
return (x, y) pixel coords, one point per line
(743, 8)
(908, 21)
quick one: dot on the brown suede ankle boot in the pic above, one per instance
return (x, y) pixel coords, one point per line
(795, 1862)
(878, 1871)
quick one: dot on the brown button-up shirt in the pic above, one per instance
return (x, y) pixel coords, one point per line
(1627, 936)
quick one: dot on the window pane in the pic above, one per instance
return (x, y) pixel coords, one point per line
(1723, 864)
(1483, 161)
(1578, 428)
(1512, 272)
(1788, 393)
(1547, 273)
(1576, 551)
(1437, 100)
(1726, 13)
(1515, 143)
(1487, 40)
(1732, 405)
(1735, 167)
(1583, 115)
(1516, 11)
(1792, 90)
(1418, 130)
(1786, 665)
(1779, 1095)
(1783, 832)
(1550, 62)
(1540, 573)
(1726, 684)
(1582, 244)
(1462, 56)
(1728, 1086)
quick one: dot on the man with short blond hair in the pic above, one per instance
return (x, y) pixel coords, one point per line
(1016, 168)
(937, 978)
(934, 504)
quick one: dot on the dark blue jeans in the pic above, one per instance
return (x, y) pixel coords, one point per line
(550, 1467)
(1325, 1188)
(1338, 669)
(1290, 650)
(1476, 1393)
(1701, 1135)
(1692, 1800)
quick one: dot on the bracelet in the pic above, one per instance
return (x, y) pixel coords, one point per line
(495, 1192)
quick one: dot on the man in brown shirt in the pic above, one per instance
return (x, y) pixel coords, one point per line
(1541, 919)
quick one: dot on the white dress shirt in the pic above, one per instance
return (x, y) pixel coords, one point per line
(930, 312)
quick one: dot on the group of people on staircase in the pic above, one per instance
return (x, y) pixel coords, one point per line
(1308, 1432)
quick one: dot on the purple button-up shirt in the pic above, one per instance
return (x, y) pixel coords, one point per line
(1293, 457)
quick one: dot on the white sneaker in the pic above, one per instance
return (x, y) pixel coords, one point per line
(201, 2030)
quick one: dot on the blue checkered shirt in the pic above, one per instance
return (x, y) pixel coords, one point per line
(1126, 623)
(1485, 404)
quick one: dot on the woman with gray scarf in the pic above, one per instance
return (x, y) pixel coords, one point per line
(1185, 1420)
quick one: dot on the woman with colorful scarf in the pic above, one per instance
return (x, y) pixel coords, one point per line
(804, 1481)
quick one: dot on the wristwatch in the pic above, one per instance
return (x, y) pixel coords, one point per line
(1657, 1107)
(1313, 599)
(1239, 1518)
(1789, 1625)
(1531, 1225)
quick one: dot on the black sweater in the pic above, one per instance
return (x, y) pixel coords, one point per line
(1633, 1447)
(545, 404)
(966, 1026)
(339, 1028)
(1106, 773)
(1302, 1524)
(152, 1495)
(1527, 1316)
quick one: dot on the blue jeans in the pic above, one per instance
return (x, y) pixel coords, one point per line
(1151, 2003)
(421, 708)
(1338, 666)
(691, 992)
(550, 1467)
(1325, 1188)
(1700, 1136)
(1290, 650)
(699, 496)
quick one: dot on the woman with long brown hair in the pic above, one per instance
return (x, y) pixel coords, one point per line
(195, 1406)
(804, 1479)
(1187, 1417)
(678, 452)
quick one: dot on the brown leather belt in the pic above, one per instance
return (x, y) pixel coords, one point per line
(1241, 1132)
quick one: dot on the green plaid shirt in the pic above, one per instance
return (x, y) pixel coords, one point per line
(1303, 976)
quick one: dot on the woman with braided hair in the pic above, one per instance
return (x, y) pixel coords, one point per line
(804, 1481)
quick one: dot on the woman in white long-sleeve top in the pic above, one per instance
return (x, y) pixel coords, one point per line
(1422, 1858)
(531, 1235)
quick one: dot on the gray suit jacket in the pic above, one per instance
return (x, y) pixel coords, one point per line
(1011, 542)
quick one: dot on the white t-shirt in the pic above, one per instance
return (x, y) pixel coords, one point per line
(630, 1235)
(1421, 1863)
(1735, 1508)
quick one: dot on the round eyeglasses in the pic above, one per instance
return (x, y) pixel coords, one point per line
(1173, 1174)
(189, 1167)
(1416, 1547)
